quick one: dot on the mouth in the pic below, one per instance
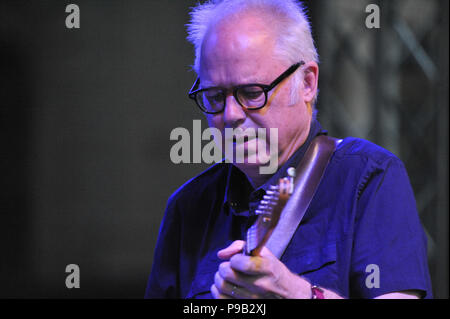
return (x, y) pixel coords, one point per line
(245, 140)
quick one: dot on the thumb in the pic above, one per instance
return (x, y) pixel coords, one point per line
(235, 248)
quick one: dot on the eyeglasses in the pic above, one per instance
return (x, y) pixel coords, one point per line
(250, 96)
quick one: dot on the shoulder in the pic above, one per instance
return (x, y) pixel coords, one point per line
(358, 162)
(360, 149)
(201, 185)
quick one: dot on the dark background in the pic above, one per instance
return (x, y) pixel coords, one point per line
(86, 114)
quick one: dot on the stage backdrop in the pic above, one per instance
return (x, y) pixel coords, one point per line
(86, 116)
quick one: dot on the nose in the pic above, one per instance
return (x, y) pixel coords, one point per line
(233, 114)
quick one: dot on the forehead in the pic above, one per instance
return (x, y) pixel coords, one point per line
(237, 50)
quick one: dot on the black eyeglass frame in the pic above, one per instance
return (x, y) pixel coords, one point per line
(266, 89)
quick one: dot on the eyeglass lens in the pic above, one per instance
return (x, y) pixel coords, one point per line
(213, 100)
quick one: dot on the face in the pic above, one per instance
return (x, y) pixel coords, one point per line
(242, 52)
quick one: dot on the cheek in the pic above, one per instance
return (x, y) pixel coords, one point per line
(215, 121)
(289, 121)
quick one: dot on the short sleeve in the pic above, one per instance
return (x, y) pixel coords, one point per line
(163, 280)
(389, 246)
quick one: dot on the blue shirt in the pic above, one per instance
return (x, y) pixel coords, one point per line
(360, 237)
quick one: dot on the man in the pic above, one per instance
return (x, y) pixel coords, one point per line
(360, 237)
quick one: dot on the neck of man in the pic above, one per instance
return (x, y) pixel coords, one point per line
(253, 174)
(253, 171)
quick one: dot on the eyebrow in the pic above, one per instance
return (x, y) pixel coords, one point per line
(251, 80)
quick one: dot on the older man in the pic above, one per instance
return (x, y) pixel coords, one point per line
(360, 237)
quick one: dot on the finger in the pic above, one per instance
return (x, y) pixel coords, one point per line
(233, 284)
(236, 292)
(227, 278)
(259, 274)
(219, 281)
(226, 289)
(251, 265)
(235, 248)
(236, 284)
(216, 294)
(232, 276)
(223, 288)
(265, 252)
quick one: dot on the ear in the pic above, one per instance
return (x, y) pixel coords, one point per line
(310, 81)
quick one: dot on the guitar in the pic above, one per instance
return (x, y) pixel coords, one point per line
(269, 212)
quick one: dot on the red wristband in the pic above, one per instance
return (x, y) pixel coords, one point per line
(317, 292)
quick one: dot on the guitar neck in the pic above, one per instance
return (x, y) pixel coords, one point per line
(269, 211)
(257, 236)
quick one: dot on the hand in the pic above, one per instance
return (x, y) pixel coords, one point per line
(251, 277)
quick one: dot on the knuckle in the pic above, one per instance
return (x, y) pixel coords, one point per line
(264, 288)
(218, 281)
(258, 264)
(213, 290)
(241, 263)
(238, 243)
(224, 269)
(260, 284)
(255, 264)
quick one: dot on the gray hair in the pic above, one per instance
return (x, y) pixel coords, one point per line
(294, 43)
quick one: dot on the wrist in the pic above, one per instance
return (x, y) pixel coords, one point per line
(300, 288)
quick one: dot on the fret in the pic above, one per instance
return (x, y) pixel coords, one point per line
(269, 211)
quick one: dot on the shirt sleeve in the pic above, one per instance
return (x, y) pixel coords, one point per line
(163, 280)
(389, 249)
